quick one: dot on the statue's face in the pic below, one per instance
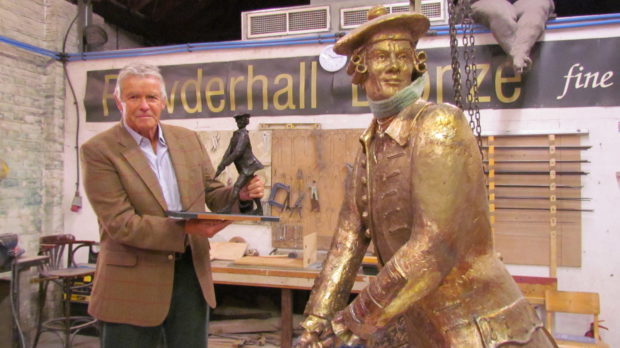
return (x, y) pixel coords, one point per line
(390, 65)
(242, 121)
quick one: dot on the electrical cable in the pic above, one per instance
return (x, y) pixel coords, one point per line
(77, 200)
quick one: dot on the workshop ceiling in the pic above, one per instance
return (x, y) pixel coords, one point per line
(167, 22)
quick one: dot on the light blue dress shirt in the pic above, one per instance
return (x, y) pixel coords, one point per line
(161, 164)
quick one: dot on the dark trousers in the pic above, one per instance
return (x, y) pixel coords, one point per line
(184, 327)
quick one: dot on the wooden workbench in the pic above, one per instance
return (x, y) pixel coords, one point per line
(287, 279)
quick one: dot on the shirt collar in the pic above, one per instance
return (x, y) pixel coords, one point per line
(139, 138)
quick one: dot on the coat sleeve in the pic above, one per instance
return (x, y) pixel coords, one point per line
(332, 288)
(446, 172)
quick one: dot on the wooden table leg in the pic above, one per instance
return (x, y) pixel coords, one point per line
(286, 338)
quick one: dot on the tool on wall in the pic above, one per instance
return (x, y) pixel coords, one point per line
(297, 206)
(278, 186)
(314, 197)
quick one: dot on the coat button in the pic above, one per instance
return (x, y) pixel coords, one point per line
(364, 180)
(170, 257)
(364, 198)
(367, 233)
(364, 163)
(365, 214)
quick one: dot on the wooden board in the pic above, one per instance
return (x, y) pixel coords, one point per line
(300, 157)
(270, 261)
(187, 215)
(227, 250)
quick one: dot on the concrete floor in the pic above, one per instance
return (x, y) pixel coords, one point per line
(52, 340)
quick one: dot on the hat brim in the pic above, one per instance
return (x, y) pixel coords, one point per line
(416, 24)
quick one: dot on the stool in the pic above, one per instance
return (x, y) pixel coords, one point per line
(67, 275)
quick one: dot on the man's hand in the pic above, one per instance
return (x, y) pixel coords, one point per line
(205, 228)
(255, 188)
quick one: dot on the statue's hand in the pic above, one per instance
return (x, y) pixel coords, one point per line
(315, 329)
(340, 329)
(219, 171)
(307, 340)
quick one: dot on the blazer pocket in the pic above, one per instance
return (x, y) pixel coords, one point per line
(121, 259)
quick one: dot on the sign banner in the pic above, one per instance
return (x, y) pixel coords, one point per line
(575, 73)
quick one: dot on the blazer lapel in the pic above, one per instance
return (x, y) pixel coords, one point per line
(134, 156)
(178, 155)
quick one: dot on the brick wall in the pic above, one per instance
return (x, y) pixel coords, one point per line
(32, 102)
(32, 127)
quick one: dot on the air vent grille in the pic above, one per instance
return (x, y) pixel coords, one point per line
(287, 21)
(435, 10)
(308, 20)
(268, 24)
(400, 9)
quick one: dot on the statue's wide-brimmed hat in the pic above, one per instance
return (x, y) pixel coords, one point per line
(412, 23)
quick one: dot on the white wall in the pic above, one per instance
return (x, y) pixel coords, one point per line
(600, 261)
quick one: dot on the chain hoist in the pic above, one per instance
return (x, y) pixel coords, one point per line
(471, 105)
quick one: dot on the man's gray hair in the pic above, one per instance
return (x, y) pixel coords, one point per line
(141, 70)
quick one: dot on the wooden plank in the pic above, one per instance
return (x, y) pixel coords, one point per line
(270, 261)
(217, 216)
(534, 288)
(217, 327)
(227, 250)
(310, 255)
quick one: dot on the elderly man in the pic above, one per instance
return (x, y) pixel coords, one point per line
(153, 273)
(417, 190)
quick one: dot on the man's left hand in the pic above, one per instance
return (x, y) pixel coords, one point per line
(255, 188)
(205, 228)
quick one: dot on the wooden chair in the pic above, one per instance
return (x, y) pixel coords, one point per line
(576, 303)
(63, 270)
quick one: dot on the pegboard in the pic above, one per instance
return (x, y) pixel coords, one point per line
(299, 158)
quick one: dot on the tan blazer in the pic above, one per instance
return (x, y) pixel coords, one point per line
(135, 267)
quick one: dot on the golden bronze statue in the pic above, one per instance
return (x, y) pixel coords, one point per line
(418, 191)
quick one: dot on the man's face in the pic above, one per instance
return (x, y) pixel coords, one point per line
(390, 64)
(141, 103)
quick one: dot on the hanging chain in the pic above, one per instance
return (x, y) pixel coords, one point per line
(464, 12)
(471, 72)
(454, 53)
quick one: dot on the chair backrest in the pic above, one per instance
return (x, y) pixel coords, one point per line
(54, 246)
(573, 302)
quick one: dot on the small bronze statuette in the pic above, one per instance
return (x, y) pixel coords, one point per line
(239, 152)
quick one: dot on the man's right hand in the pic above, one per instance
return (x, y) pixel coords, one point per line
(205, 228)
